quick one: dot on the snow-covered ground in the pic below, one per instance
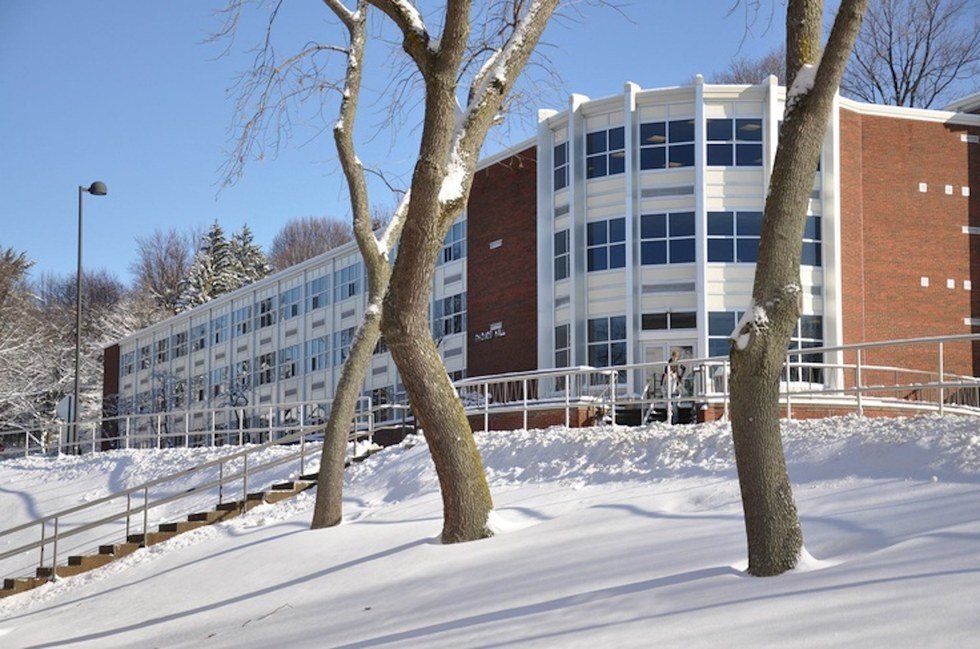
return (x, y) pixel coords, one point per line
(607, 537)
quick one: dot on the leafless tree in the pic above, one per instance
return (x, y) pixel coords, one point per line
(761, 338)
(464, 78)
(306, 237)
(162, 261)
(13, 271)
(912, 52)
(753, 70)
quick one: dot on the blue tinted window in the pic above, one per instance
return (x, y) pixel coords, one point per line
(681, 156)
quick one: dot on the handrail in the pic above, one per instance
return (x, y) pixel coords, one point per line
(147, 504)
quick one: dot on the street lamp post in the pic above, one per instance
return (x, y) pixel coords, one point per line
(97, 188)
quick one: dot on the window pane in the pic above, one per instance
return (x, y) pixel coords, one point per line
(617, 162)
(812, 228)
(618, 354)
(811, 326)
(653, 226)
(561, 268)
(595, 142)
(595, 167)
(684, 320)
(682, 224)
(653, 252)
(721, 250)
(811, 254)
(597, 259)
(653, 133)
(598, 330)
(561, 242)
(561, 154)
(561, 336)
(748, 129)
(719, 130)
(653, 157)
(561, 358)
(616, 138)
(617, 229)
(719, 347)
(598, 355)
(561, 178)
(617, 256)
(681, 130)
(681, 251)
(748, 155)
(720, 155)
(721, 323)
(681, 156)
(749, 223)
(720, 223)
(596, 233)
(653, 321)
(617, 327)
(747, 250)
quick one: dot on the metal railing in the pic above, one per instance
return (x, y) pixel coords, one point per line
(660, 389)
(194, 427)
(134, 518)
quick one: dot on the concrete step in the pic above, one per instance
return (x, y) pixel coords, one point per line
(20, 585)
(213, 517)
(91, 561)
(293, 485)
(183, 526)
(310, 477)
(238, 506)
(63, 571)
(119, 550)
(151, 538)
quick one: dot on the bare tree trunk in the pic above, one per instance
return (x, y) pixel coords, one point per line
(441, 183)
(465, 494)
(328, 510)
(772, 525)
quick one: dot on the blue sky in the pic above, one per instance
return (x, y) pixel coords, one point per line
(127, 93)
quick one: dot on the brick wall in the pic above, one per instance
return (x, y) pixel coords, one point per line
(893, 235)
(502, 281)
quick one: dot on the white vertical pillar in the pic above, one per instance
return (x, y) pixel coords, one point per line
(700, 218)
(830, 209)
(631, 130)
(578, 305)
(546, 240)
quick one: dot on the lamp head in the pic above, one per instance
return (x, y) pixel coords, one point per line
(97, 188)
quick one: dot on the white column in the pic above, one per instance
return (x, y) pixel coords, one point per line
(578, 305)
(700, 218)
(631, 130)
(546, 240)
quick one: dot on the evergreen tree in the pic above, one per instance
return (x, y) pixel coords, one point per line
(250, 263)
(212, 272)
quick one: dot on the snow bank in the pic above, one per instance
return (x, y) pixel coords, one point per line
(605, 537)
(817, 449)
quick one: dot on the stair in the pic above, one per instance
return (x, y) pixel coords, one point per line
(78, 564)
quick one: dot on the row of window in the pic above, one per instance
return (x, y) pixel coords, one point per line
(291, 303)
(448, 317)
(666, 145)
(669, 239)
(606, 336)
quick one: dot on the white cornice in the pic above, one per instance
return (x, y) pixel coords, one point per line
(964, 104)
(904, 112)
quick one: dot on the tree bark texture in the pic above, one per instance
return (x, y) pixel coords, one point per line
(328, 509)
(772, 524)
(450, 142)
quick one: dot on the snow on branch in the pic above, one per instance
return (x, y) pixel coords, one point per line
(486, 94)
(802, 85)
(390, 235)
(756, 318)
(416, 40)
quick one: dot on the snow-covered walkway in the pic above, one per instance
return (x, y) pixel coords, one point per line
(607, 537)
